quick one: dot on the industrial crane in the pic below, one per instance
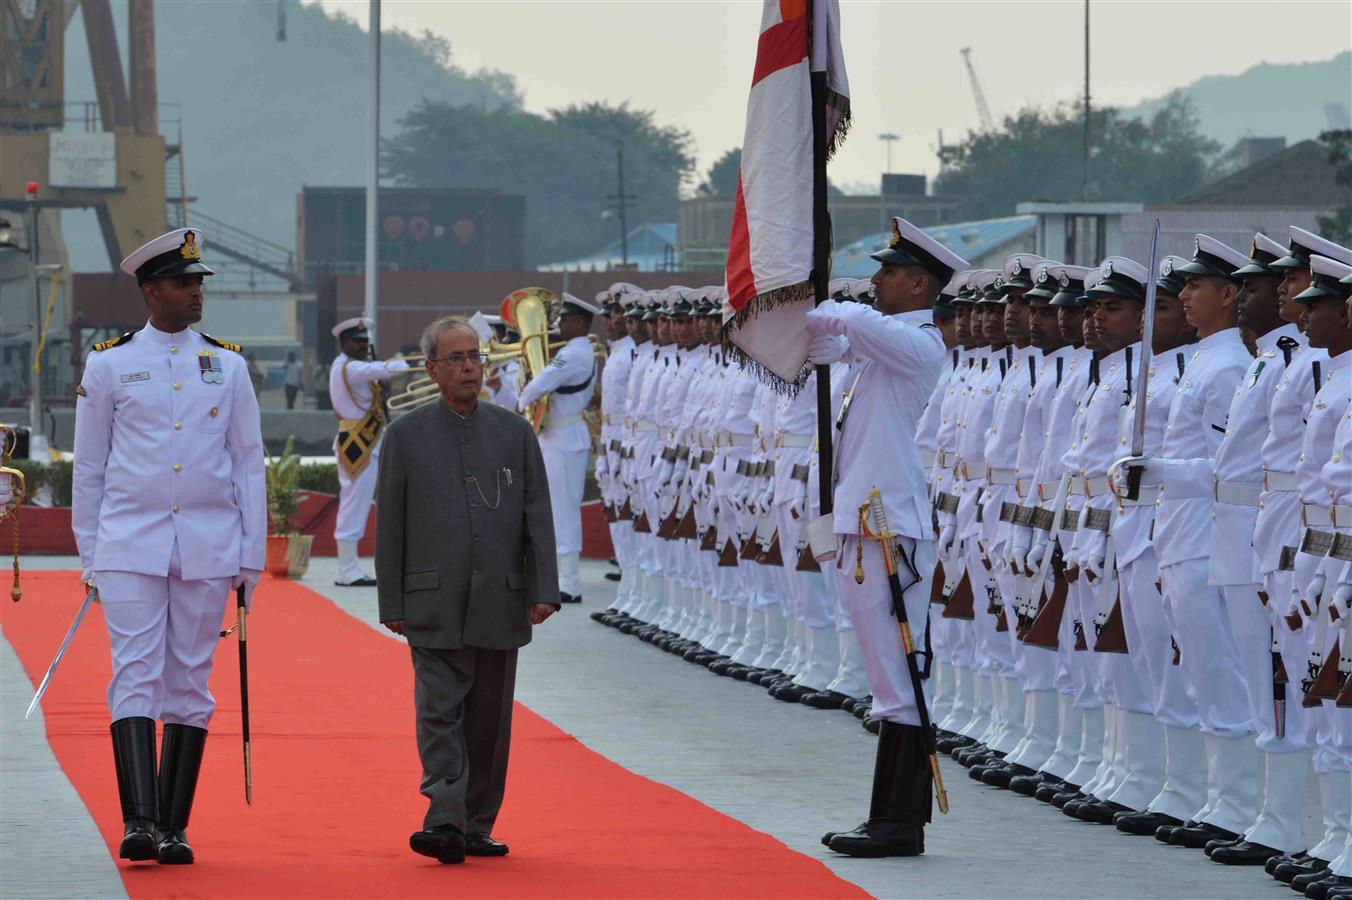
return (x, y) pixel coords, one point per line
(982, 110)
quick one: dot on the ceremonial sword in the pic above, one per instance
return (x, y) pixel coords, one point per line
(61, 651)
(874, 506)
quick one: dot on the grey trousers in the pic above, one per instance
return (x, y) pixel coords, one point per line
(463, 702)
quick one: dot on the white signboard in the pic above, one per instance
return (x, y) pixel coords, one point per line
(82, 160)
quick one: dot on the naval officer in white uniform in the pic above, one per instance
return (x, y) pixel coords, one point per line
(895, 352)
(569, 382)
(169, 514)
(357, 392)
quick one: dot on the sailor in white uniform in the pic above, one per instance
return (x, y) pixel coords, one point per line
(895, 352)
(569, 382)
(169, 514)
(358, 400)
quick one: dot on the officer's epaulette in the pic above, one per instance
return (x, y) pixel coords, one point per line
(115, 342)
(224, 345)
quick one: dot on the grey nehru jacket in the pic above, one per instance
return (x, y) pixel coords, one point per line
(464, 535)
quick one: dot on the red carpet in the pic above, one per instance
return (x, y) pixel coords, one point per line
(336, 779)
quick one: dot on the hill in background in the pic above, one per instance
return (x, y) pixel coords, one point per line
(263, 117)
(1269, 100)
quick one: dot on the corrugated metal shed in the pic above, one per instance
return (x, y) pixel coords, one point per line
(652, 247)
(978, 242)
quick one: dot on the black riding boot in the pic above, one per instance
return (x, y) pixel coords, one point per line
(180, 761)
(134, 759)
(902, 794)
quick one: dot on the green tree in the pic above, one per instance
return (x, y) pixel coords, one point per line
(1338, 227)
(563, 162)
(1037, 155)
(721, 180)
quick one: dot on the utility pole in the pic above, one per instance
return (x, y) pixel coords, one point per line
(1084, 183)
(373, 178)
(889, 138)
(620, 201)
(35, 393)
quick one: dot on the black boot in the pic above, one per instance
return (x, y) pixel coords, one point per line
(134, 759)
(180, 761)
(902, 793)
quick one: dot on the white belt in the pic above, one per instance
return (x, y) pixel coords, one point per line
(642, 425)
(972, 473)
(1096, 487)
(926, 459)
(1342, 514)
(1075, 488)
(1000, 476)
(795, 440)
(1315, 516)
(561, 421)
(1280, 481)
(739, 440)
(1236, 493)
(947, 459)
(1046, 490)
(1146, 495)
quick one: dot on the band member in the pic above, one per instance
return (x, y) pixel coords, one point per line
(465, 559)
(169, 513)
(569, 381)
(359, 401)
(895, 353)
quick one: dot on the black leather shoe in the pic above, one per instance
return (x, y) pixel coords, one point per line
(1286, 871)
(863, 707)
(1001, 777)
(1144, 822)
(565, 597)
(613, 576)
(1244, 853)
(1212, 846)
(700, 657)
(1271, 865)
(481, 843)
(364, 581)
(1317, 885)
(873, 726)
(880, 837)
(630, 626)
(137, 786)
(1060, 800)
(956, 742)
(764, 676)
(601, 615)
(744, 674)
(791, 693)
(1303, 881)
(444, 843)
(1101, 812)
(1028, 784)
(823, 699)
(1049, 791)
(1195, 836)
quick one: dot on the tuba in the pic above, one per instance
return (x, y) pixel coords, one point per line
(529, 311)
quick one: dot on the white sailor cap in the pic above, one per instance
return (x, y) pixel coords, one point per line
(1171, 278)
(1018, 271)
(955, 284)
(1263, 252)
(178, 252)
(1044, 283)
(978, 280)
(1327, 277)
(910, 246)
(624, 287)
(1304, 245)
(1119, 277)
(1211, 257)
(634, 303)
(355, 327)
(576, 306)
(837, 288)
(862, 290)
(1070, 283)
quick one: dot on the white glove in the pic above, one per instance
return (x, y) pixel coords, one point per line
(947, 534)
(87, 576)
(1342, 597)
(1016, 548)
(248, 579)
(1314, 591)
(824, 318)
(825, 349)
(766, 501)
(664, 473)
(1092, 557)
(1037, 552)
(798, 503)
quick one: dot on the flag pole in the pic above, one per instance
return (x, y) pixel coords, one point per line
(821, 272)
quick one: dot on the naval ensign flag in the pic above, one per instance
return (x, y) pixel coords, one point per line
(780, 230)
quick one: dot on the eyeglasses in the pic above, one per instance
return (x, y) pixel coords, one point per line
(459, 359)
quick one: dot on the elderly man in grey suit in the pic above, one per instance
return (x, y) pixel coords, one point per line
(465, 567)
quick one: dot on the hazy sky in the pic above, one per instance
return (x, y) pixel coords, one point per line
(691, 61)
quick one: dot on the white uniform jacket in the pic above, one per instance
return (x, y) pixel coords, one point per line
(894, 365)
(570, 380)
(168, 448)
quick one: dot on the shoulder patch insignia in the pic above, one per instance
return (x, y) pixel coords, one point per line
(224, 345)
(115, 342)
(80, 391)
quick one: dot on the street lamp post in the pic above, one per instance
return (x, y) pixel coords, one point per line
(889, 138)
(35, 393)
(373, 179)
(620, 200)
